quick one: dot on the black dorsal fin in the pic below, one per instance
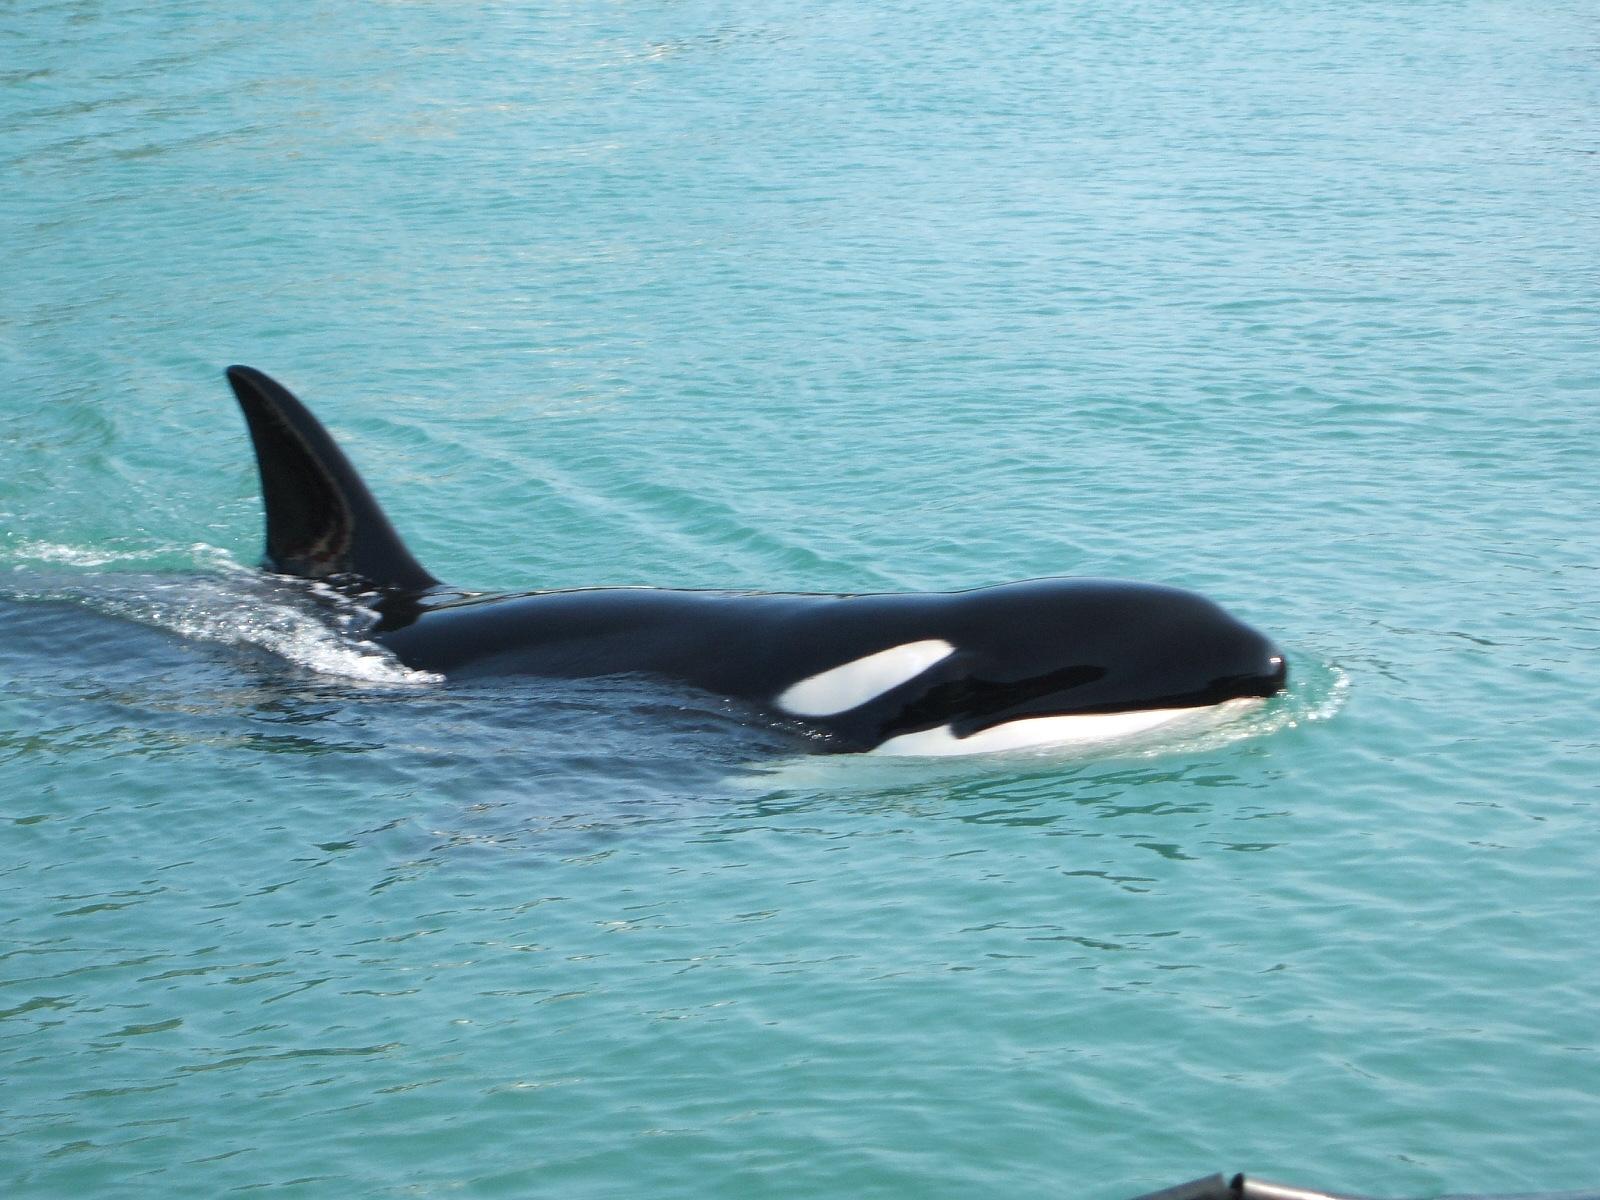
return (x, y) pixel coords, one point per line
(322, 522)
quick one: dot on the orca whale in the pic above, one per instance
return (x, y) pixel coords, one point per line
(1022, 664)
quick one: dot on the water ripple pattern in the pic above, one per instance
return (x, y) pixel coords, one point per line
(1294, 305)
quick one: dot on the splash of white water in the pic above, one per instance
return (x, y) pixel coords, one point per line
(214, 599)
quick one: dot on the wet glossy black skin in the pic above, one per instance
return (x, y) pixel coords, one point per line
(1042, 648)
(1049, 647)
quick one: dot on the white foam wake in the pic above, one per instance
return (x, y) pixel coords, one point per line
(210, 597)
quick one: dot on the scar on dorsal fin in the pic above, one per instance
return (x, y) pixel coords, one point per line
(322, 522)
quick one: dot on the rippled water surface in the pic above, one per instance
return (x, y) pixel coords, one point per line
(1295, 305)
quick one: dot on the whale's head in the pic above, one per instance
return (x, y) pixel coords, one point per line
(1067, 661)
(1137, 647)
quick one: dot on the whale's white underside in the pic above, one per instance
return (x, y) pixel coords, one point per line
(1078, 730)
(1032, 731)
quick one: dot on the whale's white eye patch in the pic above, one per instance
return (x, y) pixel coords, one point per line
(854, 683)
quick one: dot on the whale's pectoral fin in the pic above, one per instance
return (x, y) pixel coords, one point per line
(322, 522)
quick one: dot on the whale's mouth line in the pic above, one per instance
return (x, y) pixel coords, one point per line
(1086, 724)
(1263, 685)
(1220, 691)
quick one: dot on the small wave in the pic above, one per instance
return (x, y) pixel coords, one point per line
(1318, 695)
(199, 556)
(214, 598)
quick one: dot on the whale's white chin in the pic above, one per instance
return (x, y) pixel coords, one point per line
(1082, 729)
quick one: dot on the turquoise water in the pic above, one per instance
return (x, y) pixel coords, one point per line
(1295, 305)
